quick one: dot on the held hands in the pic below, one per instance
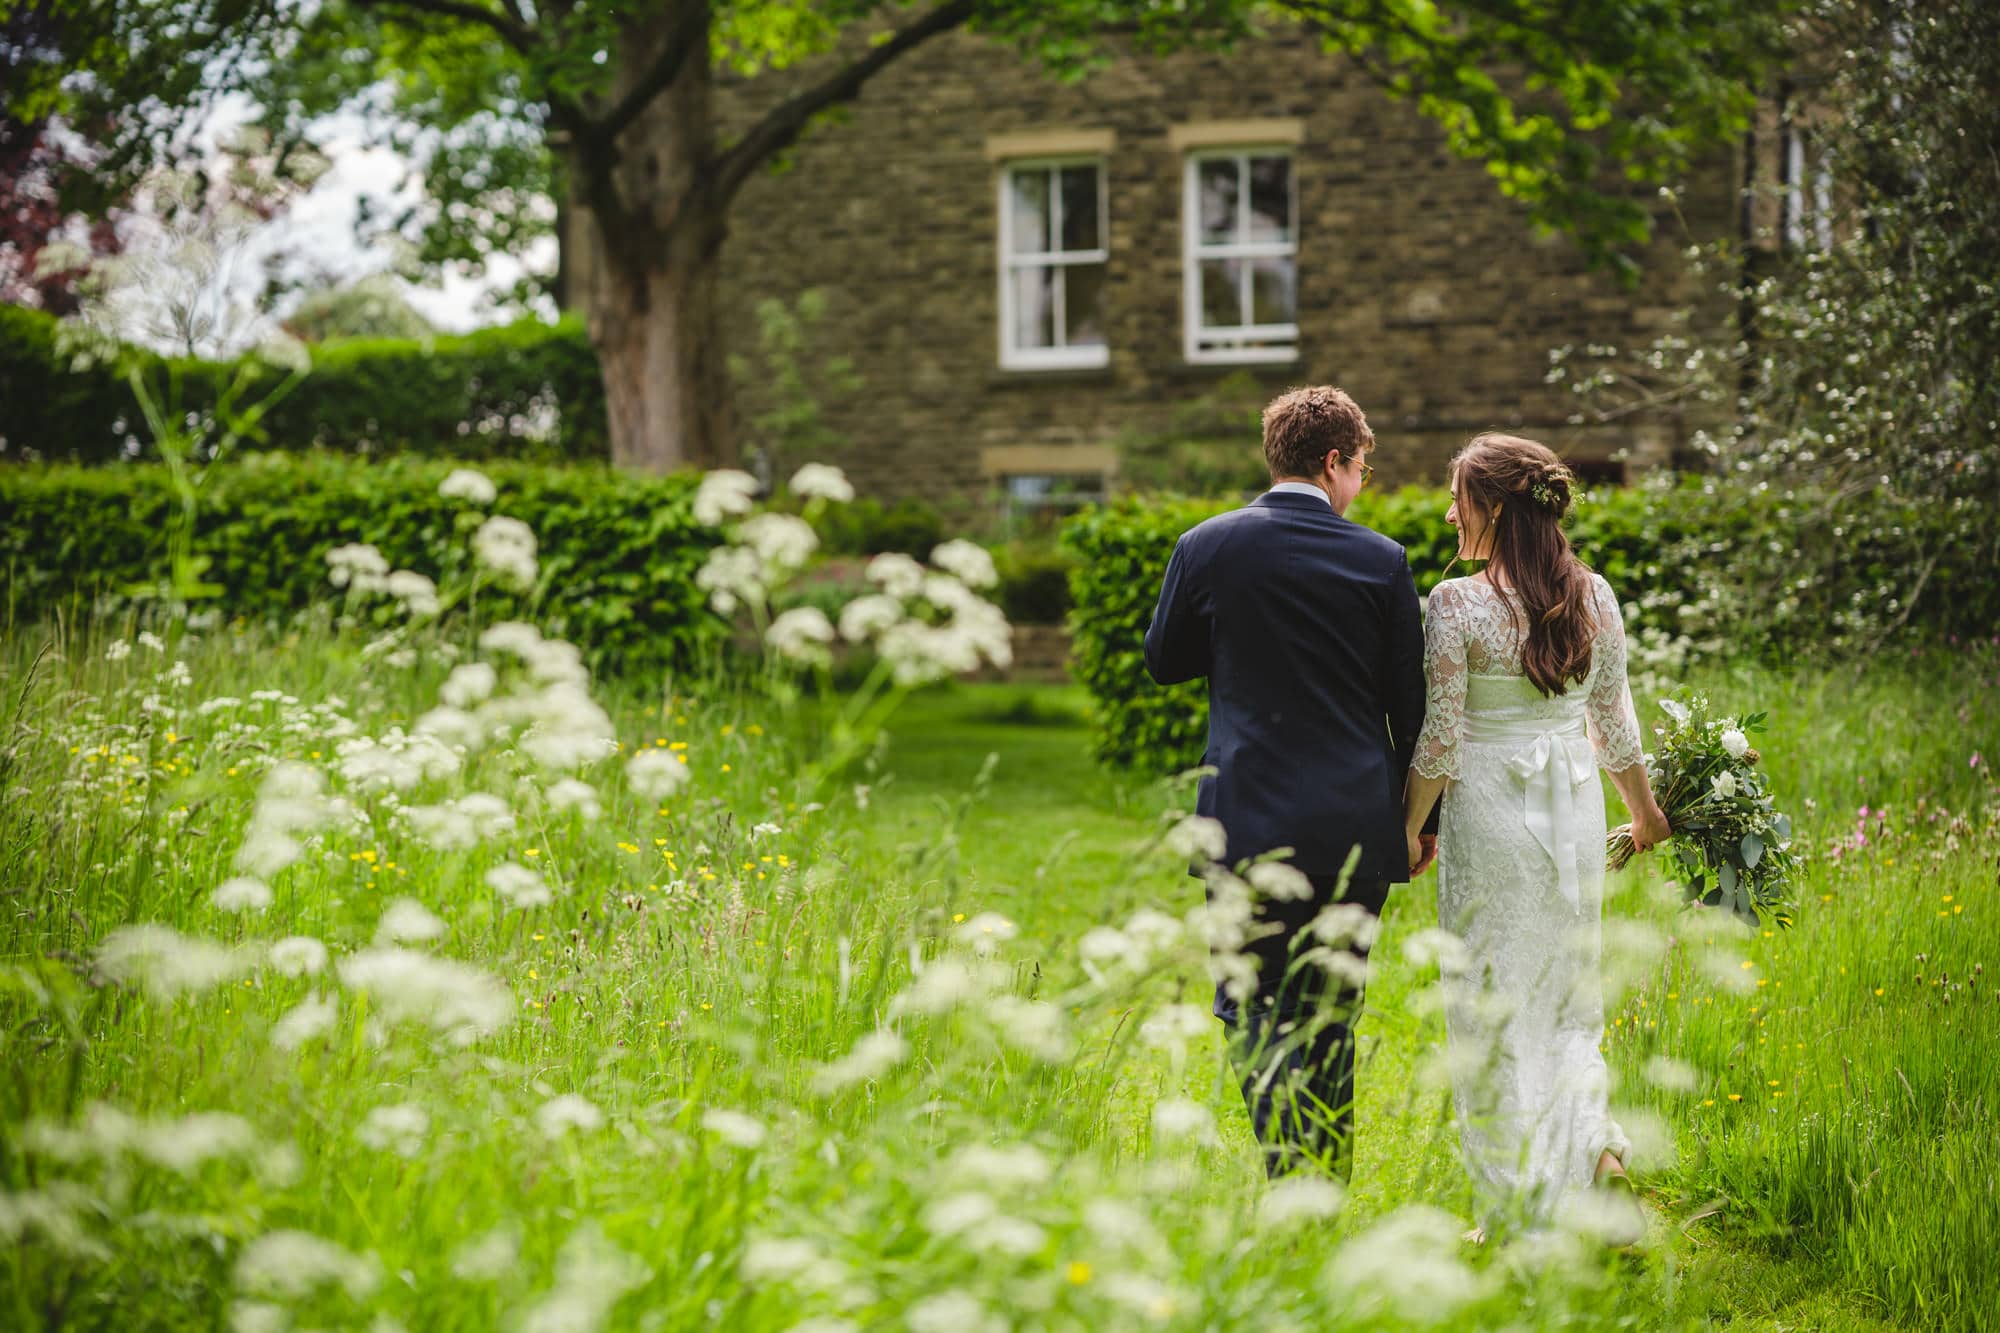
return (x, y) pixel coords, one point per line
(1423, 849)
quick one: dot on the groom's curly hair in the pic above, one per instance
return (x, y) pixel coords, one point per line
(1301, 426)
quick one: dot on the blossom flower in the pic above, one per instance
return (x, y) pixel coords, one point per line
(167, 963)
(783, 542)
(801, 634)
(506, 547)
(1339, 924)
(1724, 784)
(1297, 1199)
(452, 727)
(520, 886)
(470, 683)
(944, 985)
(722, 493)
(1174, 1025)
(559, 1115)
(822, 481)
(399, 1129)
(1406, 1265)
(292, 1264)
(311, 1017)
(487, 1258)
(469, 485)
(406, 920)
(1015, 1167)
(1279, 882)
(792, 1260)
(575, 794)
(732, 576)
(1436, 945)
(986, 932)
(899, 575)
(570, 728)
(656, 774)
(873, 1056)
(417, 593)
(734, 1128)
(952, 1312)
(356, 565)
(1176, 1119)
(1198, 836)
(592, 1276)
(955, 1213)
(1034, 1026)
(457, 1000)
(1735, 743)
(970, 561)
(868, 615)
(297, 956)
(117, 650)
(241, 894)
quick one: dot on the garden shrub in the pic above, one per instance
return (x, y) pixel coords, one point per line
(1705, 569)
(523, 390)
(618, 553)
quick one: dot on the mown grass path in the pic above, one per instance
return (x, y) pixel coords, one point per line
(996, 786)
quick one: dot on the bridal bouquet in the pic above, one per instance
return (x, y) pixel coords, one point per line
(1726, 832)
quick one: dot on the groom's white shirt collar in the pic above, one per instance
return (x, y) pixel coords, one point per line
(1299, 488)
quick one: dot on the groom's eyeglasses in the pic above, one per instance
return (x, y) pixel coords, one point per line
(1366, 471)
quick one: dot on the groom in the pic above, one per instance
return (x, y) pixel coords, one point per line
(1306, 626)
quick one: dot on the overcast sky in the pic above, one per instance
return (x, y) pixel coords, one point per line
(320, 227)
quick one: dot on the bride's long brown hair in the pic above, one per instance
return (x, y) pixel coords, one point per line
(1522, 490)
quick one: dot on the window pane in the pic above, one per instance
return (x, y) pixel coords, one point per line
(1215, 178)
(1274, 296)
(1083, 294)
(1079, 208)
(1221, 301)
(1034, 307)
(1270, 199)
(1028, 206)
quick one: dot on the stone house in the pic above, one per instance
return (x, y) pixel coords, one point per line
(1028, 275)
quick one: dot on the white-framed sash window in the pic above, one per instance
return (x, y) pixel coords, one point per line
(1054, 247)
(1240, 255)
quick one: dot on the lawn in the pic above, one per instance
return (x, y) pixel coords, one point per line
(784, 1052)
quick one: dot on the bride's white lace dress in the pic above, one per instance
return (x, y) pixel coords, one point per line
(1520, 881)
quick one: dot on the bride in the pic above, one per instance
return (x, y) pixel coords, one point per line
(1525, 664)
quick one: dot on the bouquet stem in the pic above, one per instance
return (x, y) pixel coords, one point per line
(1619, 849)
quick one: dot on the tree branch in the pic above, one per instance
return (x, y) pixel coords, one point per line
(688, 35)
(783, 125)
(514, 34)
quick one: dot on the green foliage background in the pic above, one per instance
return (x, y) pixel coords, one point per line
(522, 390)
(618, 553)
(1700, 578)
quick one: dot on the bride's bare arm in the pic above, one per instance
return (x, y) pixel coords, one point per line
(1649, 822)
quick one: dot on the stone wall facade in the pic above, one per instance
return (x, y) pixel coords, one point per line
(1420, 288)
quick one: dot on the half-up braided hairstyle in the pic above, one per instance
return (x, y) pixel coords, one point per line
(1523, 491)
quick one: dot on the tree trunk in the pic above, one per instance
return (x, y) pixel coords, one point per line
(647, 269)
(655, 323)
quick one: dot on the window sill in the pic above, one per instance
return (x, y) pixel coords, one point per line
(1007, 377)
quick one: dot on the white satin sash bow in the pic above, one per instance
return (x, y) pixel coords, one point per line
(1555, 756)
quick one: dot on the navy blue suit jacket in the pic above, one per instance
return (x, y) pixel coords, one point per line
(1307, 628)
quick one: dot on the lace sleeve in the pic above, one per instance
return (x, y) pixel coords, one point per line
(1444, 677)
(1614, 726)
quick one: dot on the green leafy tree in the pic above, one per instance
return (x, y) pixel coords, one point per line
(374, 307)
(598, 115)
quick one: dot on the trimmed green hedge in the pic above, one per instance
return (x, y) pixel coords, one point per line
(525, 390)
(618, 553)
(1710, 570)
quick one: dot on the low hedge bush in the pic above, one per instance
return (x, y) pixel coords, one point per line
(1703, 569)
(524, 390)
(618, 553)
